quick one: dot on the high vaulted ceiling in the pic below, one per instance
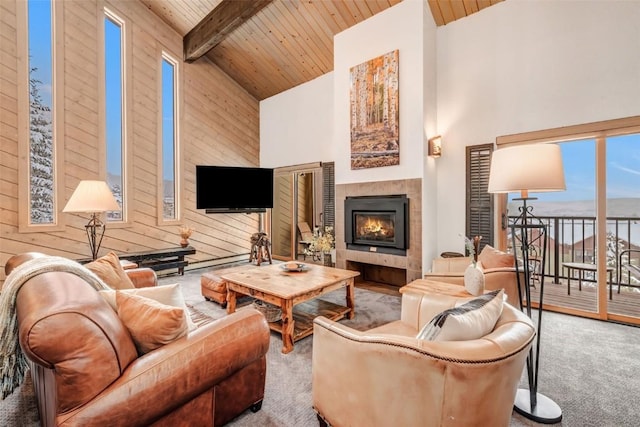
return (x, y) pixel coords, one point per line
(285, 43)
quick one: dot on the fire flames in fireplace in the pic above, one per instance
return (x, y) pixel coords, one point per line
(374, 227)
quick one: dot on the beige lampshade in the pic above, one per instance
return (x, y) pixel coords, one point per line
(527, 168)
(92, 196)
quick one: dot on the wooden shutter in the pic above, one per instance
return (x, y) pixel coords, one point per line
(479, 202)
(328, 194)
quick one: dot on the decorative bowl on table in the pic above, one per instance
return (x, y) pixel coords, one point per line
(294, 266)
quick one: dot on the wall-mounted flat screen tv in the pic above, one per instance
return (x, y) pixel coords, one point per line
(225, 189)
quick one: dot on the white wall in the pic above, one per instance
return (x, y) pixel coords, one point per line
(296, 126)
(310, 122)
(524, 65)
(399, 27)
(430, 122)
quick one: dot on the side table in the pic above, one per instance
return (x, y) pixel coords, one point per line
(581, 268)
(128, 265)
(437, 288)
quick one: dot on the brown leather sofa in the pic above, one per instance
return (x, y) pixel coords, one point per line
(86, 370)
(451, 270)
(387, 377)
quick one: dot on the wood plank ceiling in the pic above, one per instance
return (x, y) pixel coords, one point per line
(289, 42)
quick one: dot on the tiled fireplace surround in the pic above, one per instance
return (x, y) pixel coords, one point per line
(411, 263)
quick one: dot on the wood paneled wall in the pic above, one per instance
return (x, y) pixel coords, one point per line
(219, 126)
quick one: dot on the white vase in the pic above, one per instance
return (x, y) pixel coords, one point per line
(474, 280)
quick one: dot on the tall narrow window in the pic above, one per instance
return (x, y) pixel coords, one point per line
(169, 139)
(114, 110)
(42, 209)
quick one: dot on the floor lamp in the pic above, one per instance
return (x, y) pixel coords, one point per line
(93, 197)
(524, 169)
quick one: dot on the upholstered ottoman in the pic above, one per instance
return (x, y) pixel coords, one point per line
(214, 287)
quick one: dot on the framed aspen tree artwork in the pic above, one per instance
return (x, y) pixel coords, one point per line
(374, 112)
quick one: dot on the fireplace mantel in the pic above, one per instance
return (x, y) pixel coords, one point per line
(411, 261)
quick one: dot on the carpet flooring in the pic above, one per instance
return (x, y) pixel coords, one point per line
(590, 368)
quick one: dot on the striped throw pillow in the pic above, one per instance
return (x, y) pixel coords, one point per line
(469, 321)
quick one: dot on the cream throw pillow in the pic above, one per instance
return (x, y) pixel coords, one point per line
(491, 257)
(469, 321)
(150, 323)
(164, 294)
(108, 268)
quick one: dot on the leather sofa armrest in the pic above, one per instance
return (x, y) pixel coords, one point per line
(166, 378)
(505, 278)
(513, 331)
(142, 277)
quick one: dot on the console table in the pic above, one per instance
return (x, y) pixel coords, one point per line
(161, 259)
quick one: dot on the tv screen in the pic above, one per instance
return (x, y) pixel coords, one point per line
(233, 189)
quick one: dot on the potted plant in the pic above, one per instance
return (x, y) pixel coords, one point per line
(185, 232)
(324, 243)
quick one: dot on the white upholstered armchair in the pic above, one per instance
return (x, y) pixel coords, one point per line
(385, 376)
(498, 267)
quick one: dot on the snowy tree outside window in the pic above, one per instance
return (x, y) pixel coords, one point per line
(41, 144)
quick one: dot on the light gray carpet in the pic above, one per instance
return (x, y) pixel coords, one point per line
(590, 368)
(288, 384)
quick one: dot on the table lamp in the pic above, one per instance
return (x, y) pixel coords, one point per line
(93, 197)
(523, 169)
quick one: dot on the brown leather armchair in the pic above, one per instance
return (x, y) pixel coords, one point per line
(386, 376)
(86, 370)
(451, 270)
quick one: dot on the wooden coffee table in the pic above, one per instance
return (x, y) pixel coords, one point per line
(296, 293)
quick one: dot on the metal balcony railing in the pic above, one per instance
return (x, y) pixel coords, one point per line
(573, 239)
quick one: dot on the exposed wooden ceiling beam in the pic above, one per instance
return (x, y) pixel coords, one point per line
(217, 25)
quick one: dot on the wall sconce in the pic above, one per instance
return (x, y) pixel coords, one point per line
(435, 146)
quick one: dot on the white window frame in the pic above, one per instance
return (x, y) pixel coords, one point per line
(126, 70)
(164, 55)
(109, 13)
(23, 131)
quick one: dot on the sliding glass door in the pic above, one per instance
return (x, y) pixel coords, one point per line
(592, 267)
(570, 218)
(623, 223)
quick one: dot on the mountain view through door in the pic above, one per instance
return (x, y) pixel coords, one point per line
(571, 218)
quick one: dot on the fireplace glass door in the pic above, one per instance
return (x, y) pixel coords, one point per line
(374, 227)
(377, 223)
